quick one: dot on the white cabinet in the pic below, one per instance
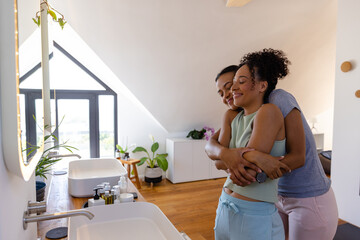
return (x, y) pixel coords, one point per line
(319, 141)
(189, 162)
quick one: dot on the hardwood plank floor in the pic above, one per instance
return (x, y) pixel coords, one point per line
(191, 206)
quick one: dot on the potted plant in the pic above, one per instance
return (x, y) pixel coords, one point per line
(123, 151)
(156, 162)
(47, 160)
(206, 132)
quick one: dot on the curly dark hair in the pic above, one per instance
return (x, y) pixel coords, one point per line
(267, 65)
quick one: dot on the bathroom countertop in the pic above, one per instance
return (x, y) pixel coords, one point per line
(59, 200)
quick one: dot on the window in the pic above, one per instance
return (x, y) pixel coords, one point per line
(82, 104)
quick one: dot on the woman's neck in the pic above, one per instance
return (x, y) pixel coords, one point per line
(252, 108)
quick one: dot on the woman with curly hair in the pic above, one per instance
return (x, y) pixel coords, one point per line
(306, 202)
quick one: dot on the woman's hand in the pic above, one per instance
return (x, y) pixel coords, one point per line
(271, 165)
(220, 165)
(250, 171)
(233, 158)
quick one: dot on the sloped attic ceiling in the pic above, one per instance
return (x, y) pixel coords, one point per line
(168, 52)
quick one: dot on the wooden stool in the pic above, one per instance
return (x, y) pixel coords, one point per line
(129, 163)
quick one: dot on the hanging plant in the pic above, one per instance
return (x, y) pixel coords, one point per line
(54, 15)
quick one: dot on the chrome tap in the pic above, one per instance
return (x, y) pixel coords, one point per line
(28, 219)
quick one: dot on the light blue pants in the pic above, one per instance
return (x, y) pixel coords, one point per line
(245, 220)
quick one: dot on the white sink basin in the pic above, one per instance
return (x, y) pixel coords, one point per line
(85, 174)
(130, 221)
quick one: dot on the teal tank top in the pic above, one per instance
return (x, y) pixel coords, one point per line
(241, 129)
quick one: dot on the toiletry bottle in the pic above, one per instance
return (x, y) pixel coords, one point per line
(117, 194)
(112, 194)
(101, 190)
(123, 184)
(117, 154)
(107, 198)
(96, 201)
(106, 188)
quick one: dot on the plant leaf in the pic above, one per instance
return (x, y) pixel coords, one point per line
(62, 23)
(139, 149)
(163, 154)
(159, 163)
(37, 22)
(162, 162)
(52, 14)
(142, 160)
(155, 147)
(120, 148)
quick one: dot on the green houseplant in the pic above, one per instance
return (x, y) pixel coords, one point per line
(155, 161)
(47, 160)
(123, 150)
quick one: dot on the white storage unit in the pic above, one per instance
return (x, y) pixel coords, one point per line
(319, 140)
(189, 162)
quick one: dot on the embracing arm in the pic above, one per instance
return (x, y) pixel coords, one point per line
(295, 140)
(268, 126)
(295, 148)
(225, 131)
(233, 157)
(213, 148)
(266, 162)
(217, 152)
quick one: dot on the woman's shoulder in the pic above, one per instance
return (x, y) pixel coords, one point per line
(270, 112)
(230, 115)
(269, 108)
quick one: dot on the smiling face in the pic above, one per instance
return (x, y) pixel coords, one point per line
(223, 85)
(248, 92)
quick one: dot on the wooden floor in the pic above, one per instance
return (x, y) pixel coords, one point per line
(189, 206)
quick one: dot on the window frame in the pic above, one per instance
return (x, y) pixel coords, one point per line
(92, 95)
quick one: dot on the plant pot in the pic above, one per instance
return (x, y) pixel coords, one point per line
(153, 175)
(40, 191)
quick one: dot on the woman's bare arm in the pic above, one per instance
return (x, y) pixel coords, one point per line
(230, 155)
(268, 126)
(295, 140)
(213, 147)
(295, 147)
(225, 131)
(220, 165)
(221, 155)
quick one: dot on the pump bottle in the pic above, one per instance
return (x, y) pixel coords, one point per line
(96, 201)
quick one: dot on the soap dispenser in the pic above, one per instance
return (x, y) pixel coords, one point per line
(117, 194)
(123, 184)
(96, 201)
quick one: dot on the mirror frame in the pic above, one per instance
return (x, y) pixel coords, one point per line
(10, 116)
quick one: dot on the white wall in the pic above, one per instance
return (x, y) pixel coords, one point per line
(345, 166)
(167, 54)
(15, 191)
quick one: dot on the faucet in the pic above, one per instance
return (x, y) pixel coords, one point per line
(40, 207)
